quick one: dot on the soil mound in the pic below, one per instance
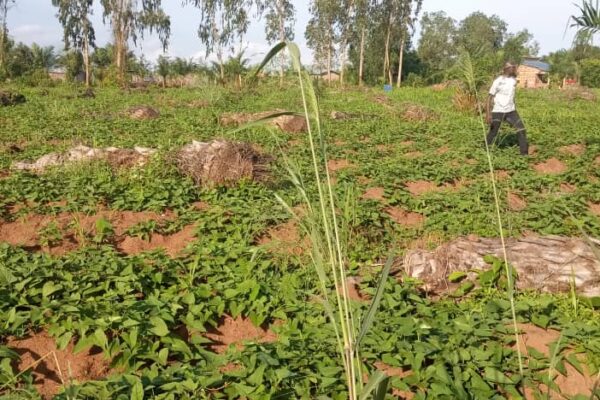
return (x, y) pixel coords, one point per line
(11, 99)
(374, 193)
(285, 239)
(235, 332)
(142, 113)
(221, 162)
(336, 165)
(52, 368)
(116, 157)
(516, 202)
(552, 166)
(573, 149)
(405, 218)
(547, 264)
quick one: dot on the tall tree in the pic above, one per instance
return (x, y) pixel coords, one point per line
(4, 7)
(74, 15)
(519, 45)
(346, 16)
(320, 34)
(279, 25)
(409, 12)
(361, 24)
(436, 45)
(130, 19)
(480, 33)
(222, 21)
(42, 57)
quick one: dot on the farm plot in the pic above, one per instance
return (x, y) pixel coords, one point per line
(135, 280)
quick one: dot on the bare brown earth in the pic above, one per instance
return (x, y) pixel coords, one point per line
(405, 218)
(413, 154)
(546, 264)
(417, 188)
(52, 368)
(235, 332)
(374, 193)
(551, 166)
(76, 229)
(540, 339)
(172, 244)
(573, 149)
(354, 292)
(516, 202)
(595, 208)
(567, 188)
(502, 175)
(336, 165)
(285, 239)
(597, 160)
(442, 150)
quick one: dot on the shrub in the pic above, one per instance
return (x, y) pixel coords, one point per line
(590, 73)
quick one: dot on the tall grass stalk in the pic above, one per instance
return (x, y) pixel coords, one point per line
(328, 252)
(467, 70)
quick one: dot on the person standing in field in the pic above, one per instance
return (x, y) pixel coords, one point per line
(502, 97)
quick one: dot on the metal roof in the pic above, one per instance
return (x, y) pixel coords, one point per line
(537, 64)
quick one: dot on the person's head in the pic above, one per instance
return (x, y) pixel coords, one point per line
(510, 69)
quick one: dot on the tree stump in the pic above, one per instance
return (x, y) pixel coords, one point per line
(547, 264)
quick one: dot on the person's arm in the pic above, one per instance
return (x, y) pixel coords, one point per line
(490, 102)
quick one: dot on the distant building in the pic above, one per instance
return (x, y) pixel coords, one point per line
(60, 75)
(331, 76)
(533, 73)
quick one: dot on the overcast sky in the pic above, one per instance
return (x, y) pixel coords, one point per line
(34, 21)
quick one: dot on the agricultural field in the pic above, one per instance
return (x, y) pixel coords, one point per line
(126, 281)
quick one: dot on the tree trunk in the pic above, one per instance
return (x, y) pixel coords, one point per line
(3, 33)
(400, 62)
(86, 60)
(386, 60)
(361, 62)
(282, 38)
(547, 264)
(329, 45)
(342, 61)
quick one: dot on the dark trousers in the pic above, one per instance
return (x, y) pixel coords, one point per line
(515, 121)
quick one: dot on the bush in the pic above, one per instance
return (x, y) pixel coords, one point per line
(414, 80)
(590, 73)
(36, 77)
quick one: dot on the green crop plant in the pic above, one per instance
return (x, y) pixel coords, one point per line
(327, 233)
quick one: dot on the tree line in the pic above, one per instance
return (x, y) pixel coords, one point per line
(365, 41)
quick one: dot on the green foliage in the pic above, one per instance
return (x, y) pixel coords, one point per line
(456, 347)
(590, 73)
(72, 62)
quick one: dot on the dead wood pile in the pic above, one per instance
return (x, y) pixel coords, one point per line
(11, 98)
(287, 123)
(221, 162)
(547, 264)
(114, 156)
(142, 112)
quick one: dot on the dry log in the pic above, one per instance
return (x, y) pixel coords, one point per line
(547, 264)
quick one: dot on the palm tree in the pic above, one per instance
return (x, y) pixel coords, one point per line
(588, 22)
